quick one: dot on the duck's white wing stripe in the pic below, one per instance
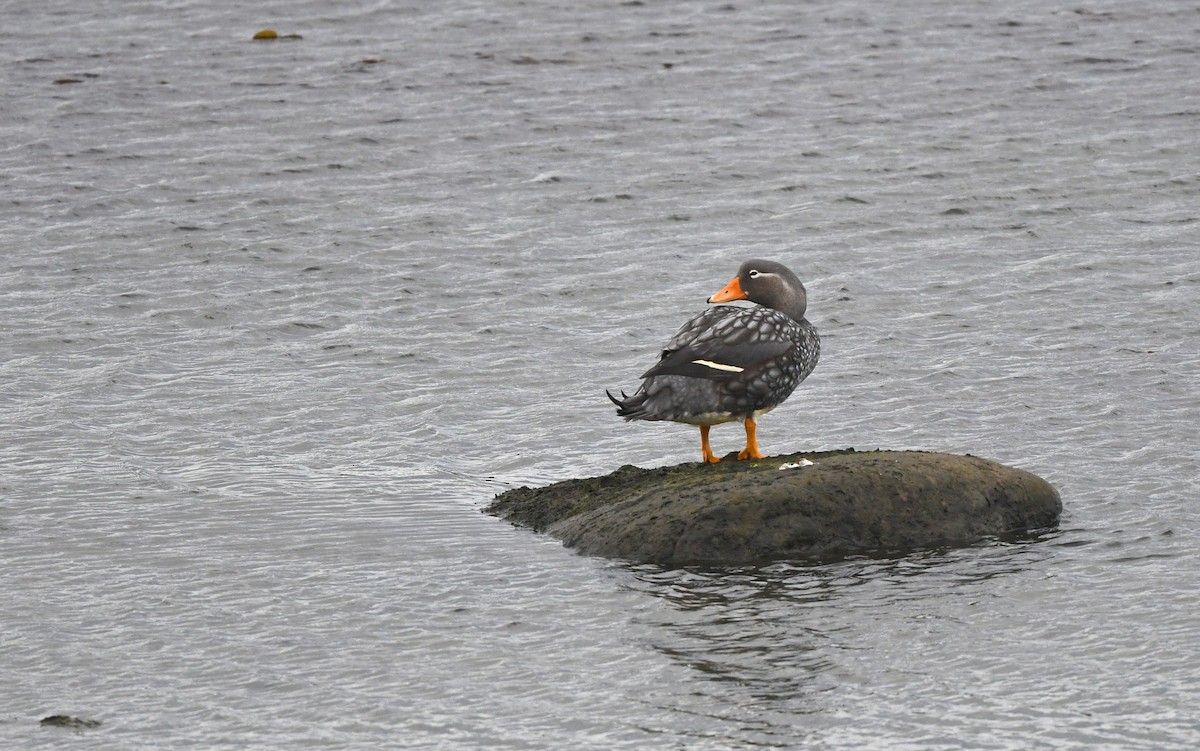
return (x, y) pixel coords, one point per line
(719, 366)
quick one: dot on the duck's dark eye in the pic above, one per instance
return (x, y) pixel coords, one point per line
(753, 274)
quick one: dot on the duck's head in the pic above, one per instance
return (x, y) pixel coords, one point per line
(769, 284)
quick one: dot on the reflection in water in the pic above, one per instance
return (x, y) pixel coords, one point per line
(779, 641)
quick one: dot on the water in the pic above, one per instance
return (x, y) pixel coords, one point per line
(280, 318)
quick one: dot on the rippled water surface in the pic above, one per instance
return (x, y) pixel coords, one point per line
(281, 317)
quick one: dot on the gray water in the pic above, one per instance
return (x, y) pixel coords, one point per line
(280, 318)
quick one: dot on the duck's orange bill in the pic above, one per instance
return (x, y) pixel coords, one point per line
(731, 291)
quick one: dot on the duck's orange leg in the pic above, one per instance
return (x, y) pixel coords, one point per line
(751, 451)
(709, 456)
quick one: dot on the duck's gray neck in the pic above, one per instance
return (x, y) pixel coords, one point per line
(795, 307)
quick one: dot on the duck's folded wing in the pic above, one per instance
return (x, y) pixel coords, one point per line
(716, 360)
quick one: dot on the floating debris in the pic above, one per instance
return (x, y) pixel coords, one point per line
(267, 35)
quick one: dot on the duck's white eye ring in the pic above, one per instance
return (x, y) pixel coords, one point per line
(753, 274)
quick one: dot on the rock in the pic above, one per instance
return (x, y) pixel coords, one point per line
(845, 503)
(67, 721)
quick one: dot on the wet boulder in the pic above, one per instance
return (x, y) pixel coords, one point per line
(815, 506)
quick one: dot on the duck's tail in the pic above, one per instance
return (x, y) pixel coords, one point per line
(630, 407)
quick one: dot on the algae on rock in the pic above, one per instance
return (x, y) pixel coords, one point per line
(844, 503)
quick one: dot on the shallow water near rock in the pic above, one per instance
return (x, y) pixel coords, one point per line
(281, 317)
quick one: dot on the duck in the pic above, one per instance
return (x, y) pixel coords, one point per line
(732, 363)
